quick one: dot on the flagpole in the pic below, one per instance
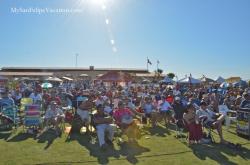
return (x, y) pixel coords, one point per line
(157, 66)
(147, 63)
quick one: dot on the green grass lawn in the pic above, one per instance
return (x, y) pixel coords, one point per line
(156, 146)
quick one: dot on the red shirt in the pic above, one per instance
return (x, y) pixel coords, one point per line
(170, 99)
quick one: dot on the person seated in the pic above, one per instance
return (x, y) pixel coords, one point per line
(149, 108)
(107, 108)
(124, 118)
(245, 104)
(194, 128)
(53, 97)
(54, 116)
(36, 97)
(102, 123)
(6, 101)
(211, 119)
(130, 105)
(99, 99)
(165, 110)
(84, 111)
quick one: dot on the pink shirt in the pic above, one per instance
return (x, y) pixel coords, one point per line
(119, 113)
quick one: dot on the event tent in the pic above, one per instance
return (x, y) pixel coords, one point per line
(204, 79)
(189, 80)
(240, 83)
(220, 80)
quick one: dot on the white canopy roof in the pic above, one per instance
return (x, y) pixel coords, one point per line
(189, 80)
(220, 79)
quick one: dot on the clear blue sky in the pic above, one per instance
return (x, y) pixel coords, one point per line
(210, 37)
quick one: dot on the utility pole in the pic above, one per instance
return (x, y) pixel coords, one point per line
(76, 59)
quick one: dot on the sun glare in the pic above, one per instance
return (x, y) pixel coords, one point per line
(98, 2)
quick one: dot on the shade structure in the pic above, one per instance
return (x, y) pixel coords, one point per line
(189, 80)
(46, 85)
(167, 80)
(204, 79)
(54, 79)
(220, 80)
(113, 76)
(240, 83)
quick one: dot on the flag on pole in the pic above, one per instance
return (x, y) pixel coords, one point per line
(149, 62)
(158, 62)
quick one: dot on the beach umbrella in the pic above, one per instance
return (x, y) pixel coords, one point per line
(67, 78)
(47, 85)
(84, 75)
(53, 79)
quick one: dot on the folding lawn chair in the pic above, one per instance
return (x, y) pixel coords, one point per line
(10, 112)
(208, 128)
(32, 117)
(24, 102)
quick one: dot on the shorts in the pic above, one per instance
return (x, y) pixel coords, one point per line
(85, 117)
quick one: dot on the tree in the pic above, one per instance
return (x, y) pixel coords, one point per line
(160, 71)
(171, 75)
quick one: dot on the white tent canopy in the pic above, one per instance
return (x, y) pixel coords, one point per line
(206, 79)
(190, 80)
(220, 80)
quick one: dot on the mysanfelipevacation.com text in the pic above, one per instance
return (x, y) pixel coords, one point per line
(35, 10)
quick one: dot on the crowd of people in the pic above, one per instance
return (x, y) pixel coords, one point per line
(192, 107)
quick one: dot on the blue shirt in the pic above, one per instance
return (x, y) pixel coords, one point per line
(6, 101)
